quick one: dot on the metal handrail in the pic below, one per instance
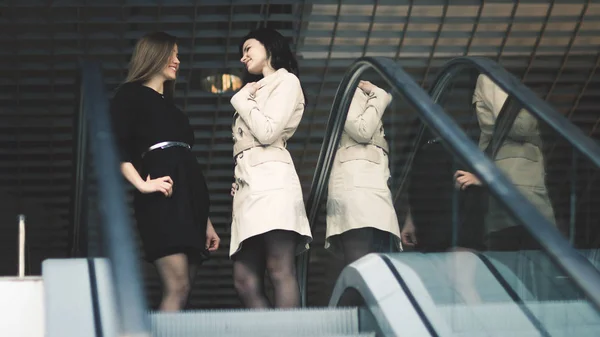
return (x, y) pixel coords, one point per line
(459, 144)
(538, 107)
(560, 250)
(80, 153)
(115, 223)
(21, 265)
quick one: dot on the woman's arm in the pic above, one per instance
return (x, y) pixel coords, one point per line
(267, 124)
(123, 123)
(163, 185)
(367, 107)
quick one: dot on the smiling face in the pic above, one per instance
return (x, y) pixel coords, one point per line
(170, 71)
(255, 57)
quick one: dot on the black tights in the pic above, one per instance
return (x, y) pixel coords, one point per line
(359, 242)
(274, 252)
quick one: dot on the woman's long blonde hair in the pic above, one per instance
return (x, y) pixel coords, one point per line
(150, 57)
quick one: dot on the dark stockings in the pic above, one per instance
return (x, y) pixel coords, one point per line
(274, 252)
(359, 242)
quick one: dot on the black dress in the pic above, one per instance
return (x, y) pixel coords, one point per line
(431, 192)
(141, 117)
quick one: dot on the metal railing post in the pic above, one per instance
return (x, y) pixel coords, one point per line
(21, 245)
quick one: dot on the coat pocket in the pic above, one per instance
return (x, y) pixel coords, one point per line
(261, 155)
(363, 167)
(359, 152)
(269, 169)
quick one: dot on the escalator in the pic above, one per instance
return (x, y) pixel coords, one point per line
(531, 279)
(392, 294)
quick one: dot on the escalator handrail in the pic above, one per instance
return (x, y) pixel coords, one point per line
(538, 107)
(115, 226)
(574, 264)
(79, 178)
(461, 146)
(335, 125)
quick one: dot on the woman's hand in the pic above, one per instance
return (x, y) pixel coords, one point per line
(464, 179)
(163, 185)
(252, 87)
(233, 189)
(408, 234)
(366, 86)
(212, 239)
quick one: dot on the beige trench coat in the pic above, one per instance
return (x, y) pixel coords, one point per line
(358, 194)
(269, 194)
(520, 156)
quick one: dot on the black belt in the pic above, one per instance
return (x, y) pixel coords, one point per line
(166, 145)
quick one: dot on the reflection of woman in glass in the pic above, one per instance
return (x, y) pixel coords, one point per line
(269, 225)
(441, 220)
(360, 213)
(428, 226)
(519, 157)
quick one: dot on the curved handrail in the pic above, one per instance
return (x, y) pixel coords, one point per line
(575, 265)
(462, 147)
(383, 293)
(530, 101)
(115, 225)
(411, 269)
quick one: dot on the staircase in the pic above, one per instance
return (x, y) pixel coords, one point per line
(80, 302)
(325, 322)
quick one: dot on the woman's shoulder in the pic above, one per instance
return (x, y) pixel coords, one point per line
(126, 98)
(128, 89)
(289, 77)
(285, 79)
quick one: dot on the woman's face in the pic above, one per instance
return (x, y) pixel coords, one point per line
(254, 57)
(170, 71)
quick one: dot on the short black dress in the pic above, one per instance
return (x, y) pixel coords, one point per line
(141, 117)
(431, 191)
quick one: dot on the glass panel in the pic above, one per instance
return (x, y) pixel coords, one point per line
(323, 269)
(358, 215)
(479, 265)
(572, 179)
(541, 163)
(496, 266)
(92, 241)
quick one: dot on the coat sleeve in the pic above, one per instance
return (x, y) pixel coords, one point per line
(489, 99)
(365, 113)
(268, 123)
(483, 101)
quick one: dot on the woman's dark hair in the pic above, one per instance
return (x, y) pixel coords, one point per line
(278, 51)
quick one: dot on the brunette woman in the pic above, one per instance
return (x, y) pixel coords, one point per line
(269, 226)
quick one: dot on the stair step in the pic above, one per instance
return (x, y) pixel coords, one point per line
(328, 322)
(270, 334)
(560, 318)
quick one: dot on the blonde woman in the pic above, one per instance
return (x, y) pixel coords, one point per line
(171, 199)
